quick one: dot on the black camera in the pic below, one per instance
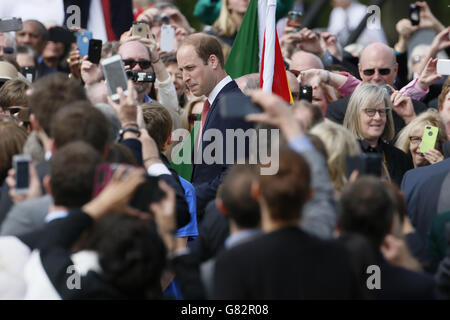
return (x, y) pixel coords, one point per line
(414, 14)
(140, 76)
(306, 93)
(163, 18)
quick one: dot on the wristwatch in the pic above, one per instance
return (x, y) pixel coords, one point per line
(122, 132)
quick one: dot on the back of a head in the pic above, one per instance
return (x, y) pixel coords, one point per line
(286, 192)
(158, 123)
(72, 171)
(12, 140)
(49, 94)
(80, 121)
(13, 93)
(302, 60)
(367, 207)
(131, 254)
(340, 144)
(237, 198)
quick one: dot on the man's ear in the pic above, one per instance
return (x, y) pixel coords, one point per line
(221, 207)
(213, 60)
(34, 123)
(47, 184)
(255, 190)
(310, 194)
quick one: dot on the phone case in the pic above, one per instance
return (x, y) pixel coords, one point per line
(167, 38)
(139, 29)
(429, 138)
(83, 38)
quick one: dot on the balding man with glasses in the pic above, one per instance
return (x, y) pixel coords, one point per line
(378, 65)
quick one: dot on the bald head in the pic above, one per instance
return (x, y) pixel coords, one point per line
(293, 85)
(377, 64)
(302, 61)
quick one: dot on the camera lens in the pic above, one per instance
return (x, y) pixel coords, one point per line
(139, 29)
(428, 127)
(430, 133)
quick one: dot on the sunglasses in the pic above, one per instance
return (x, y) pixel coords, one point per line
(144, 64)
(382, 71)
(194, 117)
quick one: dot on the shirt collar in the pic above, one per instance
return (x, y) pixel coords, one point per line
(366, 148)
(147, 99)
(240, 236)
(212, 96)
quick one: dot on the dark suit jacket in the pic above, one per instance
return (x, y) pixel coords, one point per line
(421, 188)
(206, 178)
(286, 264)
(336, 112)
(402, 284)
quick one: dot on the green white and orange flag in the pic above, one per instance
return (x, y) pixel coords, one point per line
(257, 49)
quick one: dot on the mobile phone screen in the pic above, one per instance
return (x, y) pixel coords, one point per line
(237, 106)
(22, 174)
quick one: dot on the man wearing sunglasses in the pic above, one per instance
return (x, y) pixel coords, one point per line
(377, 65)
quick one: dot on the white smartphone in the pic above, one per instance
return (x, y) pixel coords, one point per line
(115, 76)
(167, 38)
(443, 67)
(21, 164)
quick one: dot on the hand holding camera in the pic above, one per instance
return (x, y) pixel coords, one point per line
(23, 180)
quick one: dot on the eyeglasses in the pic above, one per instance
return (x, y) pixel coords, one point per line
(194, 117)
(371, 112)
(144, 64)
(415, 140)
(382, 71)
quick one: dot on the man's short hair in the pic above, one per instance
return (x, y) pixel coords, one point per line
(367, 207)
(287, 191)
(205, 45)
(13, 93)
(80, 121)
(72, 171)
(158, 123)
(236, 195)
(49, 94)
(169, 58)
(43, 32)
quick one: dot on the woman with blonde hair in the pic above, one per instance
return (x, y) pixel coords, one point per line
(192, 111)
(369, 118)
(340, 144)
(410, 139)
(230, 19)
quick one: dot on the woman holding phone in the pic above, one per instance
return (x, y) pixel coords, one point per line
(410, 139)
(369, 118)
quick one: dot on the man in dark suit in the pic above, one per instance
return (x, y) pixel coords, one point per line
(369, 208)
(201, 60)
(285, 262)
(425, 195)
(377, 65)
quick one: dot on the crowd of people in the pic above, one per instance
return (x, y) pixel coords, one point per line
(108, 212)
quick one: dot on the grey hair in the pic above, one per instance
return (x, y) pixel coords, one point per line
(368, 95)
